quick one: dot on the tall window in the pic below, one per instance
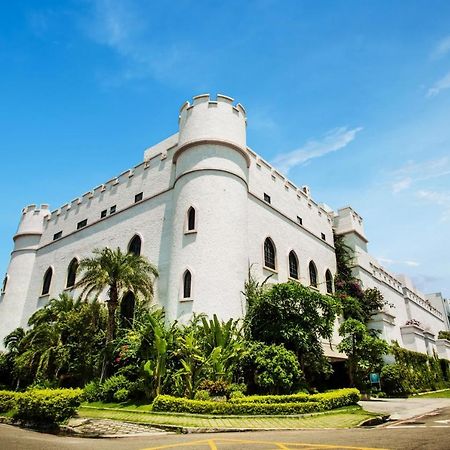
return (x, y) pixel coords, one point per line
(312, 274)
(47, 281)
(329, 281)
(293, 265)
(5, 282)
(135, 245)
(72, 273)
(269, 254)
(187, 284)
(127, 309)
(191, 219)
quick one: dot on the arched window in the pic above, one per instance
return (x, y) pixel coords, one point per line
(269, 254)
(191, 219)
(135, 245)
(127, 309)
(312, 274)
(293, 265)
(329, 281)
(187, 284)
(72, 273)
(5, 282)
(47, 281)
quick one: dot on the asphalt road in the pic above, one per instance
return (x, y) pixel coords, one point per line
(429, 432)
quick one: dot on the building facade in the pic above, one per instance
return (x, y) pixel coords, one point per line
(204, 208)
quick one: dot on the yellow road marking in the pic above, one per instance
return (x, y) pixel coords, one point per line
(212, 445)
(183, 444)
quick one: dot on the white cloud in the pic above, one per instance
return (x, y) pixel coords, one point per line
(332, 141)
(442, 48)
(440, 198)
(440, 85)
(389, 261)
(413, 171)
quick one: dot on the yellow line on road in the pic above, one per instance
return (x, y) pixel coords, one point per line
(212, 445)
(183, 444)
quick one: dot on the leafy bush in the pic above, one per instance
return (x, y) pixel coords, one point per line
(444, 335)
(202, 395)
(8, 400)
(121, 395)
(113, 384)
(48, 406)
(92, 392)
(260, 405)
(393, 380)
(215, 388)
(236, 395)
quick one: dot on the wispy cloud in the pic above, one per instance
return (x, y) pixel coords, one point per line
(389, 262)
(442, 48)
(127, 31)
(332, 141)
(414, 171)
(439, 198)
(440, 85)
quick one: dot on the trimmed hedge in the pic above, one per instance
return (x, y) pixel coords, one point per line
(8, 400)
(48, 406)
(260, 405)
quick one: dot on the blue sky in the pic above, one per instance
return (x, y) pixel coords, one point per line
(351, 98)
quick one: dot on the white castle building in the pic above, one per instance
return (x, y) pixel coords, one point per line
(203, 207)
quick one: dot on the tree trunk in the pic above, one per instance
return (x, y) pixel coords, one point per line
(112, 304)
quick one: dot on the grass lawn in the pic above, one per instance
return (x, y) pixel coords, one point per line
(443, 394)
(347, 417)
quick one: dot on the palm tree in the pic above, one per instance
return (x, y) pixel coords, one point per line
(119, 273)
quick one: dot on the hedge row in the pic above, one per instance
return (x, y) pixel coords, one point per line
(8, 400)
(257, 406)
(332, 399)
(47, 406)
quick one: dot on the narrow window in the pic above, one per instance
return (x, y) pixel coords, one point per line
(5, 282)
(312, 274)
(72, 273)
(191, 219)
(138, 197)
(127, 306)
(269, 254)
(293, 265)
(57, 235)
(329, 281)
(323, 236)
(299, 220)
(47, 281)
(187, 284)
(135, 245)
(112, 210)
(266, 198)
(81, 224)
(103, 213)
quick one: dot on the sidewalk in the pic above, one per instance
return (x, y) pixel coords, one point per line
(404, 408)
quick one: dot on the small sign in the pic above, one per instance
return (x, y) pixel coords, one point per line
(374, 378)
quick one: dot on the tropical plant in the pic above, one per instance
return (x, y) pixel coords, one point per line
(119, 273)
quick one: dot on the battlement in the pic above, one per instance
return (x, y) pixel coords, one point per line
(35, 209)
(203, 99)
(347, 220)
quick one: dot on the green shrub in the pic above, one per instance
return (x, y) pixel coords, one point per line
(261, 405)
(236, 394)
(122, 395)
(113, 384)
(48, 406)
(8, 400)
(392, 379)
(92, 391)
(202, 395)
(215, 388)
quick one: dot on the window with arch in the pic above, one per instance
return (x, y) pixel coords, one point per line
(5, 282)
(191, 219)
(47, 281)
(127, 306)
(293, 265)
(269, 254)
(329, 281)
(312, 274)
(135, 245)
(72, 273)
(187, 284)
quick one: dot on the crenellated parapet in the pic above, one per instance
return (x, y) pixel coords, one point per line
(212, 120)
(32, 220)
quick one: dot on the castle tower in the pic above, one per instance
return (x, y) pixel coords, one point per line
(210, 183)
(20, 269)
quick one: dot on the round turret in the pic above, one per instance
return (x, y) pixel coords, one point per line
(32, 220)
